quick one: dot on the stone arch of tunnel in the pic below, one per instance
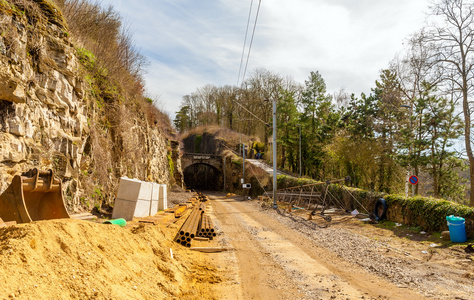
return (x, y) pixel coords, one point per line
(204, 177)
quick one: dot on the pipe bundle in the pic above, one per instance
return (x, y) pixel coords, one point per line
(197, 224)
(206, 229)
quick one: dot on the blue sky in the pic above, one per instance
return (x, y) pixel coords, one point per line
(192, 43)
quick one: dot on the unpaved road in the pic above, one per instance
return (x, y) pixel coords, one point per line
(278, 256)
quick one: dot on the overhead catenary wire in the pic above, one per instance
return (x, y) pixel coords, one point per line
(251, 39)
(258, 180)
(245, 42)
(251, 113)
(248, 56)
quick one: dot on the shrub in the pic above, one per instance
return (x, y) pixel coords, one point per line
(425, 212)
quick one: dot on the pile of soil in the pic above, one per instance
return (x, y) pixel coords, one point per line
(75, 259)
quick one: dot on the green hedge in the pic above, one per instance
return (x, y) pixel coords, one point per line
(425, 212)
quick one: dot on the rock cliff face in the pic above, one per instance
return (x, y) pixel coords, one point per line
(49, 118)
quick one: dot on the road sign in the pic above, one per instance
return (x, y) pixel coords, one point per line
(413, 179)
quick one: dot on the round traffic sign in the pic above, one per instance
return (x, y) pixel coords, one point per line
(413, 179)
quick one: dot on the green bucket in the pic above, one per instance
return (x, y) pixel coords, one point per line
(119, 222)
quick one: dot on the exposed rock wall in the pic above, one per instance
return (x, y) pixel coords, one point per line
(176, 163)
(49, 118)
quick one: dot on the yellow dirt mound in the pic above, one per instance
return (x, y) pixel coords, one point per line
(73, 259)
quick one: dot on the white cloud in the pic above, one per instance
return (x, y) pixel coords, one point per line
(193, 43)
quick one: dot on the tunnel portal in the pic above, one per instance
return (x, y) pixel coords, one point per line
(203, 177)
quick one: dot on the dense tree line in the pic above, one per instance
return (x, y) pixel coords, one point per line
(418, 108)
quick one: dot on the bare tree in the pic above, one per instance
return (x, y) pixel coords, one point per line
(452, 37)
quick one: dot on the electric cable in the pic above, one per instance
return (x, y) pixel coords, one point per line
(251, 113)
(248, 57)
(245, 42)
(256, 177)
(251, 40)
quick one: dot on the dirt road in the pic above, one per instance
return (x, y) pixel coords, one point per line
(272, 255)
(278, 256)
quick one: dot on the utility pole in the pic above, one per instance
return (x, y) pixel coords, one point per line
(274, 155)
(240, 144)
(224, 172)
(410, 128)
(410, 150)
(243, 171)
(299, 127)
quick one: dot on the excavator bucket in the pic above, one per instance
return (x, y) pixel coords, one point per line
(33, 196)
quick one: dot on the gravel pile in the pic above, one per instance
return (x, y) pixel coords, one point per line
(175, 198)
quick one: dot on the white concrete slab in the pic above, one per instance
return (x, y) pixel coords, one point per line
(145, 190)
(163, 200)
(155, 194)
(142, 209)
(129, 189)
(137, 198)
(124, 209)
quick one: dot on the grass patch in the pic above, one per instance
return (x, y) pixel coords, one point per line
(387, 225)
(86, 58)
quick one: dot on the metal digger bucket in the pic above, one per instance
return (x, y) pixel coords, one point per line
(33, 196)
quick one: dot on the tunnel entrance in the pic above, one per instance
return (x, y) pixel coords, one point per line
(203, 177)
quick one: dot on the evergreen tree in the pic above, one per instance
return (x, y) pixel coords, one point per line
(319, 123)
(288, 138)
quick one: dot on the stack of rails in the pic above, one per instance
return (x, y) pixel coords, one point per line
(189, 229)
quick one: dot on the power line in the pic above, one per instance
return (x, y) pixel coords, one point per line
(248, 56)
(254, 115)
(245, 42)
(251, 40)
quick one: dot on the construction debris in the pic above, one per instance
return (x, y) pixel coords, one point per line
(209, 249)
(120, 222)
(316, 196)
(180, 211)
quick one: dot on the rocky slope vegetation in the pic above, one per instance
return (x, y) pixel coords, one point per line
(60, 110)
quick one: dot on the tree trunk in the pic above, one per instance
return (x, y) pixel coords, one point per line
(283, 157)
(471, 178)
(435, 173)
(467, 138)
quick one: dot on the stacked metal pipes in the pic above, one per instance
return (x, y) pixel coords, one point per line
(190, 227)
(202, 197)
(206, 229)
